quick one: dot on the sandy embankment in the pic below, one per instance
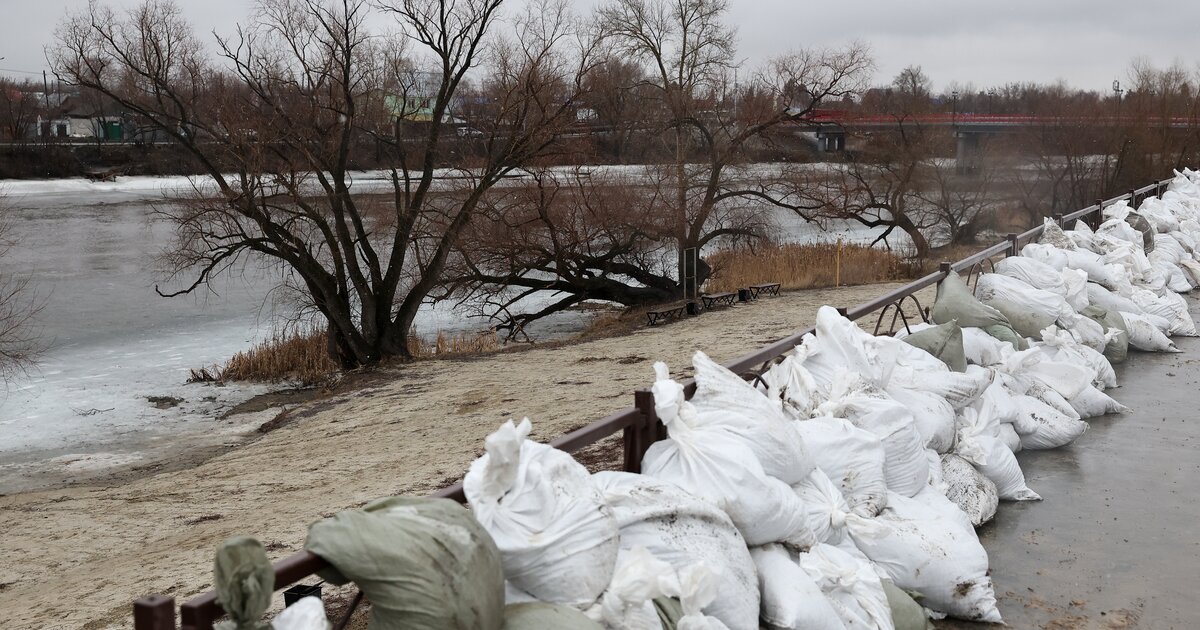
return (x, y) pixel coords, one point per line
(76, 557)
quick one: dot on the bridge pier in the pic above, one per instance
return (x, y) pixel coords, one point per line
(833, 141)
(967, 152)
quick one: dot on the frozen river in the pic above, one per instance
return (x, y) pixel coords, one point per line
(113, 343)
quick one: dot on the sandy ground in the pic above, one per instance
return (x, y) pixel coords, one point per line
(77, 557)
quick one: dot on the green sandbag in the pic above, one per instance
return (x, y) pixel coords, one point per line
(1026, 321)
(421, 562)
(955, 303)
(945, 342)
(670, 611)
(1006, 333)
(1118, 348)
(539, 616)
(244, 581)
(907, 614)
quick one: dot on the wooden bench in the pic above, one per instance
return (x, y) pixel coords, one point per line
(666, 313)
(769, 288)
(712, 299)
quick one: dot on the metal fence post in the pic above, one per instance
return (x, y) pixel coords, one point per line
(1012, 244)
(1058, 218)
(945, 268)
(638, 436)
(1133, 198)
(154, 612)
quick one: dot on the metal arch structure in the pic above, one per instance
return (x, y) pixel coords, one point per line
(639, 425)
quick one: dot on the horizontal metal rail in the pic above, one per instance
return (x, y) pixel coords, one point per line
(639, 423)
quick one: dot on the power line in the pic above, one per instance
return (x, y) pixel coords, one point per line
(20, 71)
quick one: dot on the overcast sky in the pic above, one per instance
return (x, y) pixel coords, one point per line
(1088, 43)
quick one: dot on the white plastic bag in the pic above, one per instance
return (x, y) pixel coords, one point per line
(1144, 335)
(1092, 402)
(984, 349)
(306, 614)
(969, 489)
(791, 600)
(978, 444)
(681, 530)
(1033, 272)
(852, 586)
(992, 286)
(1049, 427)
(724, 400)
(826, 507)
(714, 462)
(923, 551)
(556, 534)
(905, 466)
(628, 603)
(851, 457)
(791, 383)
(698, 588)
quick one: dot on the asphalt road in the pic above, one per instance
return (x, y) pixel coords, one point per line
(1116, 541)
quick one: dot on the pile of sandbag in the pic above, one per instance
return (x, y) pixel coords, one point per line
(841, 491)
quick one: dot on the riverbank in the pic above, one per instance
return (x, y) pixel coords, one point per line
(76, 557)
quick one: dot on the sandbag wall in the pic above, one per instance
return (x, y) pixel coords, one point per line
(843, 489)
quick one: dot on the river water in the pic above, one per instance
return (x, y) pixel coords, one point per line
(112, 343)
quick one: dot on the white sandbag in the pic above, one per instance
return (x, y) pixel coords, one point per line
(1176, 280)
(1092, 402)
(982, 348)
(935, 471)
(958, 389)
(905, 467)
(1171, 307)
(852, 458)
(1108, 300)
(840, 344)
(969, 489)
(978, 444)
(851, 584)
(1060, 345)
(934, 417)
(1038, 390)
(1052, 234)
(1050, 428)
(1075, 283)
(681, 530)
(1064, 377)
(825, 505)
(308, 613)
(699, 586)
(556, 534)
(1033, 272)
(1084, 330)
(791, 600)
(628, 603)
(713, 462)
(1009, 436)
(724, 399)
(1144, 335)
(993, 286)
(1093, 264)
(923, 551)
(1192, 269)
(794, 387)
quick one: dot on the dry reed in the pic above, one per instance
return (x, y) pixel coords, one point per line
(302, 357)
(804, 266)
(296, 356)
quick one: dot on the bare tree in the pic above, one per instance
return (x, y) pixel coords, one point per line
(302, 93)
(688, 52)
(19, 339)
(19, 109)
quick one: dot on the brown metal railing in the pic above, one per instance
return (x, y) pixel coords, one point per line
(639, 424)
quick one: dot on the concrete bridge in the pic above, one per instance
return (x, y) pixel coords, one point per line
(832, 126)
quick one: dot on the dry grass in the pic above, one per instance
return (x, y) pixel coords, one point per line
(805, 266)
(298, 356)
(302, 357)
